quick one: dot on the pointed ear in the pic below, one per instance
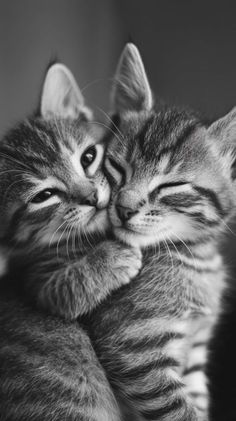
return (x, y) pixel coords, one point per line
(131, 90)
(61, 96)
(224, 132)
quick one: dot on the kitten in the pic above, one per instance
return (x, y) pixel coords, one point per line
(54, 195)
(52, 189)
(172, 181)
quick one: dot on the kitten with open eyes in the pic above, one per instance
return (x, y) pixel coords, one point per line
(173, 188)
(53, 196)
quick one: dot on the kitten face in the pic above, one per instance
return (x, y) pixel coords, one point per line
(173, 179)
(52, 185)
(166, 181)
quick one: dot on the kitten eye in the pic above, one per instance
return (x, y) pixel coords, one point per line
(173, 184)
(44, 195)
(156, 191)
(88, 157)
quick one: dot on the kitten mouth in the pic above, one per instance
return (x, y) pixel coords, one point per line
(125, 228)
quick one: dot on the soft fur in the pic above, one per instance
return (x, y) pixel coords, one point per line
(172, 182)
(173, 192)
(53, 196)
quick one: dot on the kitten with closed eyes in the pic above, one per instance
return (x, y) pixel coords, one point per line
(53, 199)
(172, 183)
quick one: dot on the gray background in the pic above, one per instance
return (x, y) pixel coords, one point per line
(189, 50)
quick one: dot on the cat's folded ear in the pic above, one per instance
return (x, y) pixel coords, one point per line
(61, 96)
(131, 90)
(223, 131)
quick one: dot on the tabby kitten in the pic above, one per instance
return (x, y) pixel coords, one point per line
(53, 198)
(173, 188)
(52, 185)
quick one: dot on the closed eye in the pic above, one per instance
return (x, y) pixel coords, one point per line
(114, 171)
(169, 185)
(172, 184)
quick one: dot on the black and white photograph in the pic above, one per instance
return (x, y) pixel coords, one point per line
(117, 210)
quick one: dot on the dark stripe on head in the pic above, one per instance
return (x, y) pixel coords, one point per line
(212, 197)
(174, 148)
(143, 132)
(187, 131)
(198, 217)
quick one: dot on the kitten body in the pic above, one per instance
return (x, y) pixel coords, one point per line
(52, 204)
(172, 181)
(160, 166)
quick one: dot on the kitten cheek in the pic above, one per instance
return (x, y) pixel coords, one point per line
(115, 221)
(104, 193)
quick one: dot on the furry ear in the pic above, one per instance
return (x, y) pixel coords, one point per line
(224, 132)
(61, 96)
(131, 90)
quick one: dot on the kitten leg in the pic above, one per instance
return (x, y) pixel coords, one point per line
(74, 288)
(194, 376)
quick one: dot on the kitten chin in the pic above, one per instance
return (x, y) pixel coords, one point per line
(134, 239)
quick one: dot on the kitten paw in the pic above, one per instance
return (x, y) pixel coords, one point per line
(127, 263)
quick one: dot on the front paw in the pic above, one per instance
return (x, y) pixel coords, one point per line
(129, 263)
(125, 262)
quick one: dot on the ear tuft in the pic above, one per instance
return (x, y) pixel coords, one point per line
(61, 96)
(131, 90)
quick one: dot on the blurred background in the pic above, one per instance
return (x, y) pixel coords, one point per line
(188, 47)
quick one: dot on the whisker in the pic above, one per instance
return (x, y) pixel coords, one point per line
(61, 236)
(230, 230)
(111, 121)
(8, 189)
(93, 82)
(182, 241)
(73, 239)
(15, 161)
(16, 171)
(70, 226)
(172, 262)
(108, 128)
(53, 235)
(173, 244)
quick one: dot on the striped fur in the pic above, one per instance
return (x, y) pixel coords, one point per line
(170, 174)
(53, 195)
(173, 193)
(48, 369)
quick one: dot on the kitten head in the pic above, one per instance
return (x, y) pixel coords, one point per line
(172, 177)
(51, 182)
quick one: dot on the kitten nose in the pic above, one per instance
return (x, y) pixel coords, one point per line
(125, 213)
(91, 199)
